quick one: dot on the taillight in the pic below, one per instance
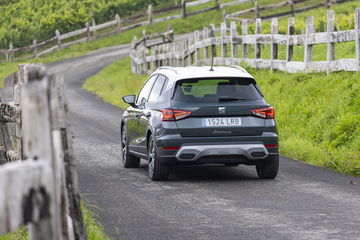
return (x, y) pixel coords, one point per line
(268, 113)
(271, 145)
(174, 115)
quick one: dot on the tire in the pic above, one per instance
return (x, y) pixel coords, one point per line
(231, 164)
(268, 168)
(128, 160)
(157, 170)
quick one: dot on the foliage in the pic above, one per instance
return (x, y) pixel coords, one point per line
(21, 21)
(318, 115)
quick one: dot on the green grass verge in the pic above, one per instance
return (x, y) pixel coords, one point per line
(318, 115)
(94, 230)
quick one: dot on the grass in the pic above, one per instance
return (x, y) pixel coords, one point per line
(318, 115)
(93, 229)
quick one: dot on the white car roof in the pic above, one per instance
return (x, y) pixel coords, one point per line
(178, 73)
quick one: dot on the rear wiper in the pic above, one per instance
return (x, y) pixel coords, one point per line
(231, 99)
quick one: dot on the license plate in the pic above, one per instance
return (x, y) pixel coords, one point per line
(221, 122)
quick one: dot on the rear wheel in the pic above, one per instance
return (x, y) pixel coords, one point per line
(157, 170)
(268, 168)
(128, 160)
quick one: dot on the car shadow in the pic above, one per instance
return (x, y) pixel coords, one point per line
(209, 172)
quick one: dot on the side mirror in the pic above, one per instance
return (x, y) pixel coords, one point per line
(130, 99)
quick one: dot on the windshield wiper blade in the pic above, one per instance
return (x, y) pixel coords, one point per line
(231, 99)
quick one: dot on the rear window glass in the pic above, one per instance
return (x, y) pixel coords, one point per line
(216, 89)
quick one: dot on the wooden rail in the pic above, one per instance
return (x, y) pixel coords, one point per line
(257, 9)
(189, 52)
(42, 190)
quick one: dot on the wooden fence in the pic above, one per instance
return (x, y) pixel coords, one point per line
(195, 51)
(40, 191)
(257, 9)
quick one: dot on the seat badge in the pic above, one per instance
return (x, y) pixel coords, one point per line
(222, 110)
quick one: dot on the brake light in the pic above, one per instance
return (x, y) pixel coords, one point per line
(268, 113)
(271, 145)
(174, 115)
(171, 148)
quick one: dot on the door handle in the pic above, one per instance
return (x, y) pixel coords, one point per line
(148, 114)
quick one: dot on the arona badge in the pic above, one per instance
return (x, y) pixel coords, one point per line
(222, 110)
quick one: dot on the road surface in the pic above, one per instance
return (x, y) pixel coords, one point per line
(198, 202)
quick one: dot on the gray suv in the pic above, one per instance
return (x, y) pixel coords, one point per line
(199, 115)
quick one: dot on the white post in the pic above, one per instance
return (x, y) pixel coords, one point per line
(57, 33)
(290, 47)
(233, 36)
(310, 29)
(357, 36)
(330, 45)
(223, 38)
(274, 46)
(244, 27)
(258, 45)
(35, 52)
(150, 14)
(118, 23)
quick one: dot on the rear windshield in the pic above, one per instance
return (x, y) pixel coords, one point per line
(216, 89)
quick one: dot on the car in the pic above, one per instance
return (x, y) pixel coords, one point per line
(199, 115)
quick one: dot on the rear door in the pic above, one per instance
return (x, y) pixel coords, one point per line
(219, 107)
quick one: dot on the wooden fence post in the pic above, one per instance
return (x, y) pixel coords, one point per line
(150, 14)
(5, 140)
(328, 3)
(217, 4)
(224, 13)
(310, 29)
(257, 8)
(292, 6)
(35, 52)
(206, 36)
(118, 23)
(94, 25)
(223, 30)
(330, 45)
(197, 48)
(11, 52)
(258, 45)
(57, 33)
(290, 42)
(233, 36)
(357, 36)
(244, 32)
(183, 4)
(274, 46)
(88, 34)
(144, 36)
(190, 55)
(213, 43)
(38, 146)
(19, 81)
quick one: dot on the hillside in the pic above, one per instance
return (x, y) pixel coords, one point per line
(21, 21)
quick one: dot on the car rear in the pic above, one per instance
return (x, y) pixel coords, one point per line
(217, 120)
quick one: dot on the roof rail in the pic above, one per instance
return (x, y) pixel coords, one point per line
(168, 68)
(238, 67)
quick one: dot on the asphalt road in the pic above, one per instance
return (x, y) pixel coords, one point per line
(198, 202)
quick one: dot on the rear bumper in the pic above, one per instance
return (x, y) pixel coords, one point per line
(195, 152)
(242, 150)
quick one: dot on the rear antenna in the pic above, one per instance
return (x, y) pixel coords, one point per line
(213, 46)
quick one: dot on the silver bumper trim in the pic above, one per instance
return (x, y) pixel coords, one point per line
(212, 150)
